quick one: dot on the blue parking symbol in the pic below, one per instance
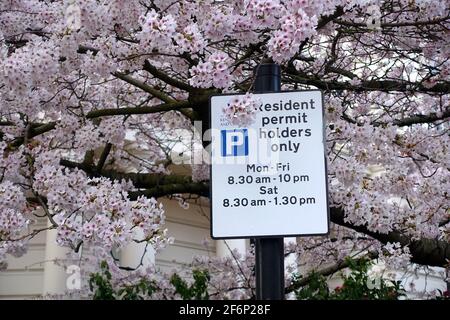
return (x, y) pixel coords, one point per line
(234, 142)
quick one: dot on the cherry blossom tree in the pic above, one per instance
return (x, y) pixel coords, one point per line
(93, 94)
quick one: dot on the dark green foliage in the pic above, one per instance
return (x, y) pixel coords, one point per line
(102, 288)
(100, 284)
(316, 289)
(134, 292)
(198, 290)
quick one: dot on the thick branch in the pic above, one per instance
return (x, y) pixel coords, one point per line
(140, 84)
(395, 24)
(103, 156)
(418, 119)
(33, 133)
(139, 110)
(199, 188)
(139, 180)
(424, 251)
(182, 106)
(385, 86)
(166, 78)
(372, 85)
(415, 119)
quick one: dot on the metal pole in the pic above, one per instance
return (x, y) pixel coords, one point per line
(269, 252)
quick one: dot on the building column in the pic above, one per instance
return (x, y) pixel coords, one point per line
(55, 276)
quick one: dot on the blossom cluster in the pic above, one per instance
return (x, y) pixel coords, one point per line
(294, 29)
(157, 31)
(214, 72)
(30, 66)
(264, 12)
(242, 110)
(95, 210)
(190, 40)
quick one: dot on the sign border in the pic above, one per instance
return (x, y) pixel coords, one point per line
(326, 171)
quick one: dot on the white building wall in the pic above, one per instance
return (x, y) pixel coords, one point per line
(24, 276)
(190, 228)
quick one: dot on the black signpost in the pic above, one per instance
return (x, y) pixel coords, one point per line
(245, 202)
(269, 252)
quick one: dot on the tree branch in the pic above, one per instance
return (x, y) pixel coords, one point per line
(141, 85)
(199, 188)
(415, 119)
(424, 251)
(396, 24)
(419, 118)
(166, 78)
(139, 110)
(103, 156)
(139, 180)
(372, 85)
(33, 133)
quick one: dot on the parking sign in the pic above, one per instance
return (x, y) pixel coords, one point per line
(268, 177)
(234, 142)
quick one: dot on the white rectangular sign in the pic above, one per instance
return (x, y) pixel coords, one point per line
(268, 178)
